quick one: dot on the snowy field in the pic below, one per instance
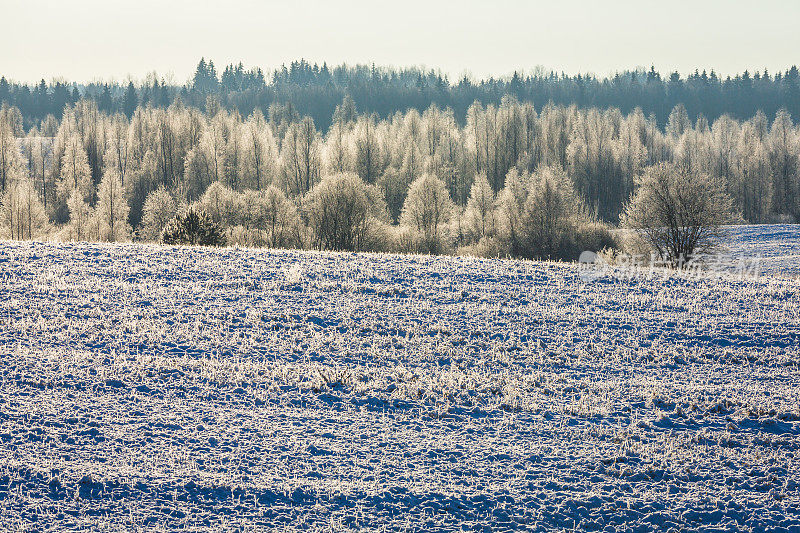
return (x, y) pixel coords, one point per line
(187, 389)
(777, 247)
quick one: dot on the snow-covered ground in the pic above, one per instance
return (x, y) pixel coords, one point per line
(180, 388)
(775, 246)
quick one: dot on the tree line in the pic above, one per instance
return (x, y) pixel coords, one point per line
(315, 90)
(509, 180)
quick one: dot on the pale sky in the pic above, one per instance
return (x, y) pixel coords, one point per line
(86, 40)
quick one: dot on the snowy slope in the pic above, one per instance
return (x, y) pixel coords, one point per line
(777, 247)
(210, 389)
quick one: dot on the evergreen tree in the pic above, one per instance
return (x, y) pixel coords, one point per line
(130, 101)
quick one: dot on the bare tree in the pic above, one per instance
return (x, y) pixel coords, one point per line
(300, 157)
(677, 213)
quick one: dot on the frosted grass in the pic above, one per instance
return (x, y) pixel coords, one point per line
(177, 388)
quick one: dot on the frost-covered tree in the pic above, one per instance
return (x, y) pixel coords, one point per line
(552, 208)
(49, 126)
(11, 163)
(206, 162)
(117, 153)
(592, 164)
(76, 175)
(22, 215)
(91, 130)
(394, 186)
(40, 159)
(342, 212)
(112, 208)
(678, 122)
(336, 152)
(511, 213)
(678, 214)
(12, 118)
(301, 157)
(139, 183)
(479, 216)
(159, 208)
(260, 152)
(369, 160)
(222, 204)
(451, 164)
(82, 222)
(752, 179)
(235, 154)
(273, 216)
(167, 146)
(724, 134)
(784, 155)
(346, 111)
(427, 211)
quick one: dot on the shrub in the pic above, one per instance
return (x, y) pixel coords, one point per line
(342, 211)
(594, 237)
(490, 247)
(194, 227)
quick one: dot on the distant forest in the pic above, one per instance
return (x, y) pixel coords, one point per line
(369, 159)
(315, 91)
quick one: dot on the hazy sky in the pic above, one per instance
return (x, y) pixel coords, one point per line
(84, 40)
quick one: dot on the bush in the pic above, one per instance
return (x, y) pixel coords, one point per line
(490, 247)
(594, 237)
(342, 211)
(194, 227)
